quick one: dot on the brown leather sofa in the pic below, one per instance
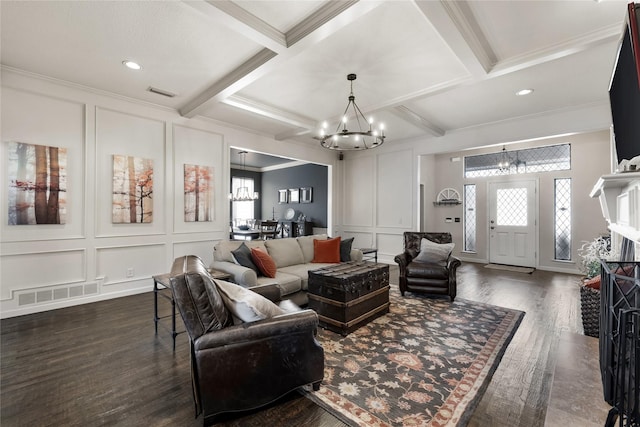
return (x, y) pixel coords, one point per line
(243, 366)
(438, 278)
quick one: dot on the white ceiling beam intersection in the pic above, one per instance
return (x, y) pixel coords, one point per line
(229, 84)
(448, 28)
(242, 22)
(463, 19)
(328, 12)
(322, 24)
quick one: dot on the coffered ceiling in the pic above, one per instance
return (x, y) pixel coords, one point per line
(278, 68)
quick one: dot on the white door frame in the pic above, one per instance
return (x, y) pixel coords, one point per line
(536, 209)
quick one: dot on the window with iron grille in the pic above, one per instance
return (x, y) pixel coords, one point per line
(562, 219)
(470, 218)
(528, 160)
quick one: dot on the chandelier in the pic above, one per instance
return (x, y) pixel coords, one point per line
(505, 162)
(362, 136)
(242, 193)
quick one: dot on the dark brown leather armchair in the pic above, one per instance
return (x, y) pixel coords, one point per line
(245, 366)
(431, 278)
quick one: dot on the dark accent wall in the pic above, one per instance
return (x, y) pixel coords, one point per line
(309, 175)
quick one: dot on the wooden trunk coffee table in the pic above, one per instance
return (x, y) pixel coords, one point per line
(349, 295)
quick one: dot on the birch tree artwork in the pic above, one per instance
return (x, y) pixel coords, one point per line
(132, 190)
(198, 191)
(37, 184)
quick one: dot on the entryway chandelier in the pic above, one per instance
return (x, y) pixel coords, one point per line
(505, 161)
(361, 136)
(242, 193)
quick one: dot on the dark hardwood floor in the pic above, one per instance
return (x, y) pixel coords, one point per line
(101, 364)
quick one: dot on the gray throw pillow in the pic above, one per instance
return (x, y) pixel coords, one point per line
(345, 249)
(432, 252)
(243, 257)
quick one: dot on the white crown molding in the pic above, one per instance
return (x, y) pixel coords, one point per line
(77, 86)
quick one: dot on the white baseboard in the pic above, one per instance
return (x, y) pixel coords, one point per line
(38, 308)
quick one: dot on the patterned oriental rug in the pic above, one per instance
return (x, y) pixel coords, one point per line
(426, 363)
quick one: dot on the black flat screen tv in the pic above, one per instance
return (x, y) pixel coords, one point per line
(624, 89)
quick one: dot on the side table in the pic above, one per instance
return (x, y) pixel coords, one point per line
(162, 287)
(369, 254)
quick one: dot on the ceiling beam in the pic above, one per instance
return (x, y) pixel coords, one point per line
(229, 14)
(417, 120)
(329, 11)
(559, 50)
(292, 134)
(459, 30)
(326, 21)
(229, 84)
(269, 111)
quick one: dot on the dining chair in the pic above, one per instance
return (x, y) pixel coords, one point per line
(268, 229)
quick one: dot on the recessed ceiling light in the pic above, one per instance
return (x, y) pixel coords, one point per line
(132, 65)
(524, 92)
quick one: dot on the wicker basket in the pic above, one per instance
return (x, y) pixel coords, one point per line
(590, 304)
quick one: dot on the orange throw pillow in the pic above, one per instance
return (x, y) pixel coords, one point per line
(326, 250)
(264, 262)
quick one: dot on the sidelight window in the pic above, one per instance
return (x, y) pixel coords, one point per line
(562, 218)
(470, 218)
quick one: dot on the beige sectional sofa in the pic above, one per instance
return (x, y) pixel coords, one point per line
(292, 257)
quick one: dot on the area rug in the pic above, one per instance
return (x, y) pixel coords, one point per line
(425, 363)
(527, 270)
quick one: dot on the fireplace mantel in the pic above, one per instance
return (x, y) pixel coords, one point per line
(619, 196)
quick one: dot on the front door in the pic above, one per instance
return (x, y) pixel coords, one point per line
(513, 223)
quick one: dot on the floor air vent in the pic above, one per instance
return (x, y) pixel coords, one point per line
(56, 294)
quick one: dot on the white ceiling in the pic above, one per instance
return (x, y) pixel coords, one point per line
(279, 68)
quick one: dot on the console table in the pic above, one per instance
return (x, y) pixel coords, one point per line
(296, 228)
(369, 254)
(162, 287)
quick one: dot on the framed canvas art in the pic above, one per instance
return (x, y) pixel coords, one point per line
(198, 193)
(37, 191)
(132, 190)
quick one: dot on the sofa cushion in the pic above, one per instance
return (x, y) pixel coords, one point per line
(264, 262)
(345, 249)
(286, 283)
(326, 250)
(302, 271)
(306, 244)
(222, 249)
(432, 252)
(242, 255)
(246, 305)
(284, 251)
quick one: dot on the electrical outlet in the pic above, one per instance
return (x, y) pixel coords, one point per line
(130, 272)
